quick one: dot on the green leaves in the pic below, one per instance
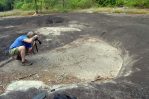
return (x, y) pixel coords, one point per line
(68, 4)
(129, 3)
(138, 3)
(106, 2)
(80, 3)
(6, 5)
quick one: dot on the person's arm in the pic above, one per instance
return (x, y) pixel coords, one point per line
(30, 40)
(31, 49)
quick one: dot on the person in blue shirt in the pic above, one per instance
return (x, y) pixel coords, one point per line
(21, 45)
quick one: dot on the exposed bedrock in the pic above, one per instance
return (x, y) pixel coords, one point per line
(94, 56)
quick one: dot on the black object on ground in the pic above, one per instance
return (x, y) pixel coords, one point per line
(63, 96)
(40, 96)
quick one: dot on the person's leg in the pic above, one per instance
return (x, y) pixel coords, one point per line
(19, 57)
(30, 50)
(22, 51)
(14, 52)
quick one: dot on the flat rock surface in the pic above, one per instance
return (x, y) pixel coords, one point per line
(115, 45)
(85, 59)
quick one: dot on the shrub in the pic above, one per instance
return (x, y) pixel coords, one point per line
(27, 6)
(6, 5)
(73, 3)
(85, 3)
(18, 5)
(120, 3)
(106, 2)
(146, 4)
(79, 3)
(138, 3)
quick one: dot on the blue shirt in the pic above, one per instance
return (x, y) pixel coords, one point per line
(20, 42)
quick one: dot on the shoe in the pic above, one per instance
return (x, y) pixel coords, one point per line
(27, 63)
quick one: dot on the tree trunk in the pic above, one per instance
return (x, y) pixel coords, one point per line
(36, 7)
(63, 3)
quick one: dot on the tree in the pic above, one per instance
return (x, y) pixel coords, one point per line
(36, 7)
(6, 5)
(10, 4)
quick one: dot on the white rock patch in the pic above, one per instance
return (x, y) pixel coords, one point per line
(56, 30)
(25, 85)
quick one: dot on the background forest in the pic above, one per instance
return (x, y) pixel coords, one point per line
(6, 5)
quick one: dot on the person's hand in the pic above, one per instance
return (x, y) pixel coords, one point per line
(35, 37)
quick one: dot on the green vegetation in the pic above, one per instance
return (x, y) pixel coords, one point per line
(68, 4)
(128, 3)
(45, 6)
(52, 4)
(6, 5)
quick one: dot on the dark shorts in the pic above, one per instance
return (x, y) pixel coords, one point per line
(14, 51)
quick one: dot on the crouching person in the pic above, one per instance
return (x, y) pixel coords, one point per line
(21, 46)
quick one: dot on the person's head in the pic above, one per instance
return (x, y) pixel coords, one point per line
(30, 34)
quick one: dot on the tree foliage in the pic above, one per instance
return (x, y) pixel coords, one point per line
(106, 2)
(6, 5)
(72, 4)
(129, 3)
